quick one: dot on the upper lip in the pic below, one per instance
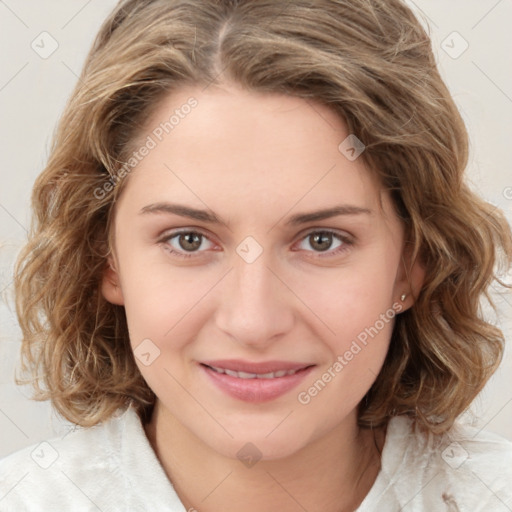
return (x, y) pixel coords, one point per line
(238, 365)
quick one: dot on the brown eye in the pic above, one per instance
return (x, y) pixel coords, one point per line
(321, 241)
(324, 241)
(190, 241)
(187, 243)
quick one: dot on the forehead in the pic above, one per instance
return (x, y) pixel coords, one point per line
(251, 151)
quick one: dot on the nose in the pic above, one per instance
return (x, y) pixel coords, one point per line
(255, 307)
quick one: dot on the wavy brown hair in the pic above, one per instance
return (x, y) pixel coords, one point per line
(368, 60)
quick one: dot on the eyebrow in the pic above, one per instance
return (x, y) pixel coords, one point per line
(327, 213)
(182, 211)
(207, 216)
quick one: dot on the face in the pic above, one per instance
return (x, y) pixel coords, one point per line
(259, 267)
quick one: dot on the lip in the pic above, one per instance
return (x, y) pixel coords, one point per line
(255, 390)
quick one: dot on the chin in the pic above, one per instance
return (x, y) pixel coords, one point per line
(263, 443)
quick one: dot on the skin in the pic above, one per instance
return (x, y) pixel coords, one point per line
(255, 160)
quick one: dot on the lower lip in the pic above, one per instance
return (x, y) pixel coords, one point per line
(255, 390)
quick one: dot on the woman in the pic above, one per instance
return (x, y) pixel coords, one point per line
(255, 271)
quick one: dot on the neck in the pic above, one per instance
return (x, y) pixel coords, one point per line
(332, 474)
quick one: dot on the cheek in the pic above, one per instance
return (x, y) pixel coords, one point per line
(157, 296)
(360, 314)
(352, 299)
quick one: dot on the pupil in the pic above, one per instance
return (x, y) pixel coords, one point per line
(190, 241)
(322, 241)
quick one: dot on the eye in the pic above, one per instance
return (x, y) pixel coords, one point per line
(185, 242)
(326, 242)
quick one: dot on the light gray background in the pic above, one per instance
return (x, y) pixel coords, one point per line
(33, 92)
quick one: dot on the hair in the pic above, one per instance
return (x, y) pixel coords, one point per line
(371, 62)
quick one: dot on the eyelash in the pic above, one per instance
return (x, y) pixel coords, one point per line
(347, 242)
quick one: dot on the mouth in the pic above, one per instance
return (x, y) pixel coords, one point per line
(255, 382)
(248, 375)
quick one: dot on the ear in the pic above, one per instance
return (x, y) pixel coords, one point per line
(410, 278)
(110, 283)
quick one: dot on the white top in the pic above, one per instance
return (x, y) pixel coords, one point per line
(112, 467)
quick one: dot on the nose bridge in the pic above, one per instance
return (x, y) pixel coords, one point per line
(252, 284)
(254, 307)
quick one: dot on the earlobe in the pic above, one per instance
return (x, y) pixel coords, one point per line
(410, 281)
(110, 284)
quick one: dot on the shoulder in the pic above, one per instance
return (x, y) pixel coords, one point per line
(463, 469)
(107, 467)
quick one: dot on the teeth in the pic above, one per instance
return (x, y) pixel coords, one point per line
(246, 375)
(242, 375)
